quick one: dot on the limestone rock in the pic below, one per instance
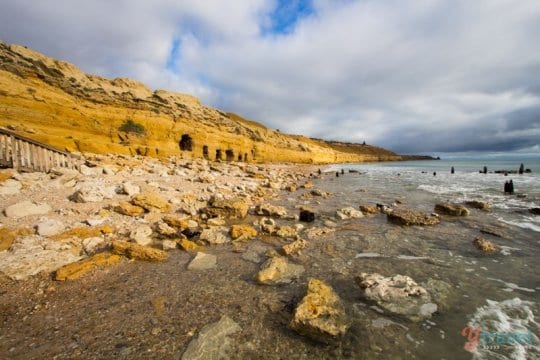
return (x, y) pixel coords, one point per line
(270, 210)
(294, 247)
(137, 252)
(307, 215)
(481, 205)
(398, 294)
(203, 261)
(180, 223)
(228, 209)
(168, 245)
(8, 236)
(10, 187)
(188, 245)
(49, 227)
(484, 245)
(348, 213)
(213, 341)
(308, 185)
(216, 222)
(320, 315)
(26, 208)
(128, 209)
(215, 235)
(369, 209)
(451, 209)
(130, 189)
(316, 232)
(93, 192)
(164, 229)
(268, 225)
(286, 231)
(245, 232)
(408, 217)
(277, 270)
(77, 269)
(317, 192)
(141, 235)
(93, 245)
(150, 202)
(33, 254)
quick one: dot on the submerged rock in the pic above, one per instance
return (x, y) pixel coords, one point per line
(277, 270)
(408, 217)
(213, 341)
(535, 211)
(320, 315)
(451, 209)
(398, 294)
(77, 269)
(484, 245)
(481, 205)
(307, 215)
(203, 261)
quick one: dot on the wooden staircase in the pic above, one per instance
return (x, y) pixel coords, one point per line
(24, 154)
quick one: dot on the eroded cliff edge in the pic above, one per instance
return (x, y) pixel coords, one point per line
(56, 103)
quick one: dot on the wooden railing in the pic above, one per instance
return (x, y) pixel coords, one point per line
(24, 154)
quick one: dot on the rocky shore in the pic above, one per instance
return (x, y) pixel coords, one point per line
(134, 257)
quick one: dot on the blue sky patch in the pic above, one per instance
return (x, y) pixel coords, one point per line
(172, 60)
(286, 15)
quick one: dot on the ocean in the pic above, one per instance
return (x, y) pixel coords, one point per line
(493, 298)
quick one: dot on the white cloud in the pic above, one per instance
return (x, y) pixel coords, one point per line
(424, 75)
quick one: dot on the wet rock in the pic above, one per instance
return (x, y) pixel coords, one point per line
(451, 209)
(268, 225)
(535, 211)
(33, 254)
(141, 235)
(348, 213)
(317, 192)
(213, 341)
(484, 245)
(188, 245)
(270, 210)
(481, 205)
(130, 189)
(26, 208)
(137, 252)
(295, 247)
(77, 269)
(316, 232)
(320, 315)
(441, 293)
(215, 235)
(369, 209)
(150, 202)
(228, 209)
(277, 270)
(245, 232)
(10, 187)
(49, 227)
(307, 215)
(93, 192)
(93, 245)
(408, 217)
(202, 261)
(398, 294)
(128, 209)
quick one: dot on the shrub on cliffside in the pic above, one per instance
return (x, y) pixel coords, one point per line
(131, 126)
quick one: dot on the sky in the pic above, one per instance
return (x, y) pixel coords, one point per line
(416, 76)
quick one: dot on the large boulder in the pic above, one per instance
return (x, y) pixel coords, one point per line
(228, 209)
(26, 208)
(320, 315)
(150, 201)
(77, 269)
(408, 217)
(277, 270)
(213, 341)
(451, 209)
(398, 294)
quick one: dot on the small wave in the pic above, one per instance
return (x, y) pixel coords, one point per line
(508, 330)
(522, 224)
(446, 189)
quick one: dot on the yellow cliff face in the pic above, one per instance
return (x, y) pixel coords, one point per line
(54, 102)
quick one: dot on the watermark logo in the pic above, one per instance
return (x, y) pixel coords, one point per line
(476, 337)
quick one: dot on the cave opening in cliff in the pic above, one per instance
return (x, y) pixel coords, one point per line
(218, 154)
(239, 157)
(186, 143)
(245, 157)
(229, 155)
(205, 151)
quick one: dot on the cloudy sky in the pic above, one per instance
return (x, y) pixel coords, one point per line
(414, 76)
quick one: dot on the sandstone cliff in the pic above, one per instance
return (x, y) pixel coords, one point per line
(56, 103)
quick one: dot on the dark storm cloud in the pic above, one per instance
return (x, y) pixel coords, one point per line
(414, 76)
